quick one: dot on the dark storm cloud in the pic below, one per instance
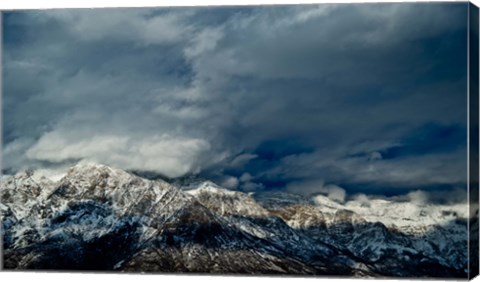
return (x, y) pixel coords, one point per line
(256, 97)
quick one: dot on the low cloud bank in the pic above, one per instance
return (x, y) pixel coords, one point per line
(332, 191)
(340, 195)
(172, 156)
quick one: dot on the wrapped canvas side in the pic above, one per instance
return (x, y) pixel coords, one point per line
(473, 139)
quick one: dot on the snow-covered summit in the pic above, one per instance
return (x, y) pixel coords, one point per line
(227, 202)
(209, 187)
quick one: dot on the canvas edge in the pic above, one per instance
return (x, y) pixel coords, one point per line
(473, 139)
(1, 126)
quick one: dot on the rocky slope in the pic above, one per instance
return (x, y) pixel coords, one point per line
(99, 218)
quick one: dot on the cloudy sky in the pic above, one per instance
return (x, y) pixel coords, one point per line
(366, 97)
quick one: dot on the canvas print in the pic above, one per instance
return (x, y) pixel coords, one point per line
(312, 140)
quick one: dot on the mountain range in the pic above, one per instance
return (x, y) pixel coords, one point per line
(99, 218)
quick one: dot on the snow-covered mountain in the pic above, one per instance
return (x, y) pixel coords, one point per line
(99, 218)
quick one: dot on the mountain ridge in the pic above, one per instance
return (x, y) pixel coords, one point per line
(162, 228)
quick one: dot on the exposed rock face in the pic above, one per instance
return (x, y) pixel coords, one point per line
(100, 218)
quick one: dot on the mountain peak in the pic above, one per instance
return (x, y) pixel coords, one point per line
(210, 187)
(91, 171)
(88, 166)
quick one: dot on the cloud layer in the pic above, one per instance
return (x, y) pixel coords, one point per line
(256, 97)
